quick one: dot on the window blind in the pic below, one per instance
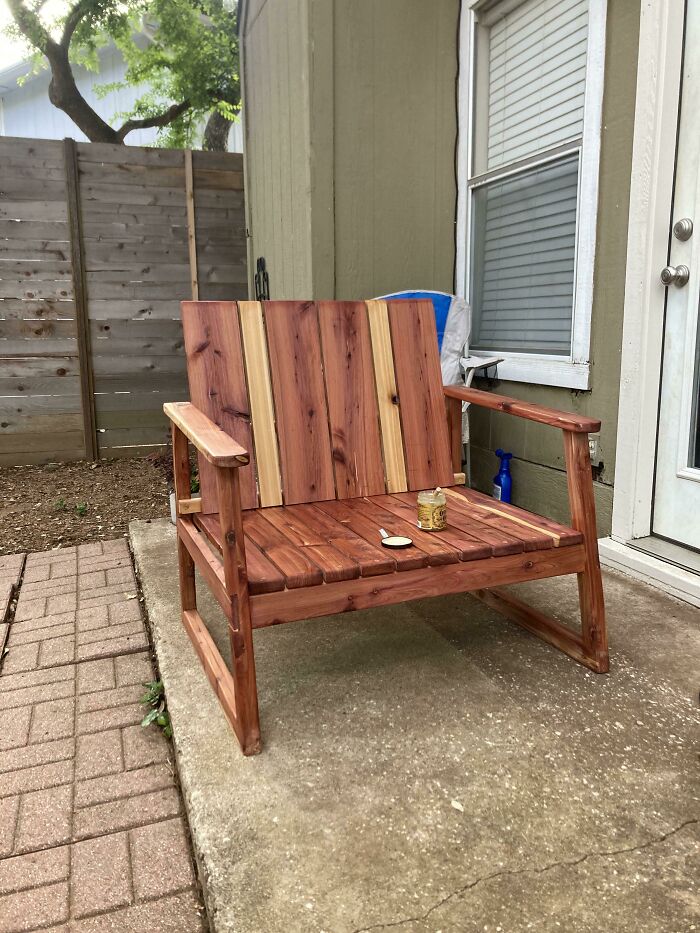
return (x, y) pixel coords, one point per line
(523, 260)
(536, 78)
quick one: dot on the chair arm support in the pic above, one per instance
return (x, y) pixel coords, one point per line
(214, 444)
(567, 421)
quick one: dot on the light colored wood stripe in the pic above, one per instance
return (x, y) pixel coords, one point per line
(191, 217)
(512, 518)
(387, 393)
(262, 410)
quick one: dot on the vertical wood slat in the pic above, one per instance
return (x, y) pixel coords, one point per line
(300, 401)
(87, 387)
(262, 410)
(387, 397)
(352, 402)
(422, 407)
(583, 519)
(191, 224)
(218, 388)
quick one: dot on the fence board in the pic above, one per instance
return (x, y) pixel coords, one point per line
(38, 387)
(132, 239)
(33, 250)
(24, 229)
(33, 210)
(26, 289)
(48, 310)
(36, 330)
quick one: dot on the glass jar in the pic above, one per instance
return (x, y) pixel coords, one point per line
(432, 510)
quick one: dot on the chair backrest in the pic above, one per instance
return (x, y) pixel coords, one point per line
(333, 399)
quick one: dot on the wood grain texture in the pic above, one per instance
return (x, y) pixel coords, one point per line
(533, 538)
(512, 406)
(217, 383)
(583, 518)
(335, 563)
(438, 550)
(387, 397)
(263, 576)
(262, 410)
(352, 402)
(466, 546)
(422, 406)
(536, 622)
(366, 593)
(367, 527)
(298, 568)
(372, 559)
(191, 221)
(214, 667)
(218, 447)
(300, 401)
(562, 535)
(111, 246)
(240, 627)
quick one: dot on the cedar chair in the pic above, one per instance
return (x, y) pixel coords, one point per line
(316, 424)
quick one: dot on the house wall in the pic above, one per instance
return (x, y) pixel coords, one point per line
(362, 198)
(395, 66)
(350, 133)
(537, 467)
(275, 49)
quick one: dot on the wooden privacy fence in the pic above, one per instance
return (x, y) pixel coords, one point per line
(98, 246)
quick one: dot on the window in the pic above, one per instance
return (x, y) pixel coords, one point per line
(530, 104)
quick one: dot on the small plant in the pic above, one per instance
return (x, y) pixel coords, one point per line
(158, 713)
(60, 505)
(194, 483)
(81, 509)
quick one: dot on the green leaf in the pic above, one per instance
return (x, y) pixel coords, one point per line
(150, 717)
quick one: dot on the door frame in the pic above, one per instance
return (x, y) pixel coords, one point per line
(651, 197)
(651, 201)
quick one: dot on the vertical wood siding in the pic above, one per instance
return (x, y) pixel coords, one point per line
(278, 151)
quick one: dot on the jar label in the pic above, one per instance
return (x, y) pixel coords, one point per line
(431, 517)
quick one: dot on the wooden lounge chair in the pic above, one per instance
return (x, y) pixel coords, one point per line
(316, 425)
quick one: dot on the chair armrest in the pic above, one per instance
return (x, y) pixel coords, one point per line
(568, 421)
(214, 444)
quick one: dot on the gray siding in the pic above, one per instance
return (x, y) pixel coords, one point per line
(278, 148)
(395, 131)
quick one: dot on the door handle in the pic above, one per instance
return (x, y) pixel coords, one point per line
(675, 275)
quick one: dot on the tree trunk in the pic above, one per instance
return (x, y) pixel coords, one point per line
(64, 94)
(216, 132)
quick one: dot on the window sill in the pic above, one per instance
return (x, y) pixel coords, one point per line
(542, 370)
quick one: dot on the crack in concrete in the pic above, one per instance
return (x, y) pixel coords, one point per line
(572, 863)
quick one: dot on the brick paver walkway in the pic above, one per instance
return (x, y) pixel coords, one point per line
(92, 835)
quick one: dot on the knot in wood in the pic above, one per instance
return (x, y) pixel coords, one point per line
(231, 537)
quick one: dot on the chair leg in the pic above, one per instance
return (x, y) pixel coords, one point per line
(593, 627)
(244, 683)
(240, 626)
(590, 582)
(188, 590)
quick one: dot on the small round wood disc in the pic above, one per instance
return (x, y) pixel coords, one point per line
(397, 541)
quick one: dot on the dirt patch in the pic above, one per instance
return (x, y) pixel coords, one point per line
(62, 504)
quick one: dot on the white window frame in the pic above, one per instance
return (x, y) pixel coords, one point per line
(571, 371)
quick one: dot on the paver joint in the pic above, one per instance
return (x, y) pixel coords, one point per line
(91, 821)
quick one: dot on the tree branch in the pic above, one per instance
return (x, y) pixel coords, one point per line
(161, 119)
(30, 26)
(73, 20)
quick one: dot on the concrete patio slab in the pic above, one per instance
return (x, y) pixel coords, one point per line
(430, 767)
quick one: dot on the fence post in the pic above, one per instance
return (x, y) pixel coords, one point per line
(87, 381)
(191, 229)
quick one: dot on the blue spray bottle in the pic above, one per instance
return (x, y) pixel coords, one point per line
(503, 481)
